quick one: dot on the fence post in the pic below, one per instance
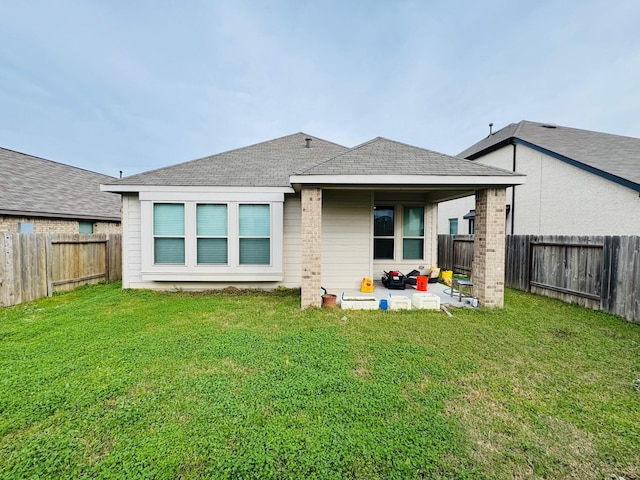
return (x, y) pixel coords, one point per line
(6, 268)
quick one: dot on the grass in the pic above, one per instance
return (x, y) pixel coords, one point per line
(106, 383)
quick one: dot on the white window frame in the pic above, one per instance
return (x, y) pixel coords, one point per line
(398, 231)
(157, 236)
(394, 208)
(414, 237)
(202, 236)
(191, 270)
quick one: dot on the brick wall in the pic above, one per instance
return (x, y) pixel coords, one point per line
(489, 247)
(54, 225)
(311, 223)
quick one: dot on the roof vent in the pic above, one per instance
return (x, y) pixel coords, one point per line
(549, 125)
(490, 129)
(307, 142)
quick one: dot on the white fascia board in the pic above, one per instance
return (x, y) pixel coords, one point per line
(494, 180)
(193, 189)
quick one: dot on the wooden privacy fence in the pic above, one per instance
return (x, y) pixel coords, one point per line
(455, 252)
(599, 272)
(36, 265)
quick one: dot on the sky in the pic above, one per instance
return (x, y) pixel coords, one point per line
(135, 85)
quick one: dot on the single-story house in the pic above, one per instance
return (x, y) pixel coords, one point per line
(579, 182)
(300, 211)
(42, 196)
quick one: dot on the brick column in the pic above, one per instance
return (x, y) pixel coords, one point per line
(311, 247)
(488, 247)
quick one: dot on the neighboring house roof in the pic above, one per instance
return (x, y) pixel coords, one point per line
(614, 157)
(266, 164)
(381, 156)
(32, 186)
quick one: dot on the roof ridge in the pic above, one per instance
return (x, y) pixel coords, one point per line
(368, 142)
(186, 162)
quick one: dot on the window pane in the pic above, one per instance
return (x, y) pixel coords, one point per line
(212, 250)
(168, 219)
(25, 227)
(255, 251)
(412, 248)
(453, 226)
(169, 250)
(383, 248)
(413, 222)
(85, 228)
(383, 221)
(211, 220)
(255, 220)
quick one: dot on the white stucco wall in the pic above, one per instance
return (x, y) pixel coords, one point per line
(559, 199)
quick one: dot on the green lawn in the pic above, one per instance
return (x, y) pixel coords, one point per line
(106, 383)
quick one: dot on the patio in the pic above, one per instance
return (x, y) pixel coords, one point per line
(442, 291)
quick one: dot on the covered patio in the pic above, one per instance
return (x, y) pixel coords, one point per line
(386, 170)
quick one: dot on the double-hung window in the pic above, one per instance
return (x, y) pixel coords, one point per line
(413, 233)
(398, 236)
(383, 232)
(212, 237)
(212, 230)
(254, 229)
(168, 233)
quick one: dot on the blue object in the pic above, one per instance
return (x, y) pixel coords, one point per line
(384, 304)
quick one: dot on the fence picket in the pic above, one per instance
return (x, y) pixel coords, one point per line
(36, 265)
(595, 272)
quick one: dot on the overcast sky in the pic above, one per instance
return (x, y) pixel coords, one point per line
(135, 85)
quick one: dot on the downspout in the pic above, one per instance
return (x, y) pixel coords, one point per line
(513, 191)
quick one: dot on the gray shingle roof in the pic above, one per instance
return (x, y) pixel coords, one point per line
(45, 188)
(381, 156)
(272, 163)
(263, 164)
(613, 154)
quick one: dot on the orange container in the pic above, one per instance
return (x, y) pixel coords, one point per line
(422, 283)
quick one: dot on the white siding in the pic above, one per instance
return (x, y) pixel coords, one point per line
(131, 241)
(347, 239)
(347, 244)
(292, 244)
(430, 236)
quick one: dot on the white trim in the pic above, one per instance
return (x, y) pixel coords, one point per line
(422, 180)
(180, 189)
(213, 277)
(211, 197)
(191, 270)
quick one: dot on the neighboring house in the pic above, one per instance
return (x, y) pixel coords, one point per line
(299, 211)
(42, 196)
(578, 182)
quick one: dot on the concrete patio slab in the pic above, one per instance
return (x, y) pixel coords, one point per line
(442, 291)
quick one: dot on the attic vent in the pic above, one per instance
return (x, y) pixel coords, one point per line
(307, 142)
(549, 125)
